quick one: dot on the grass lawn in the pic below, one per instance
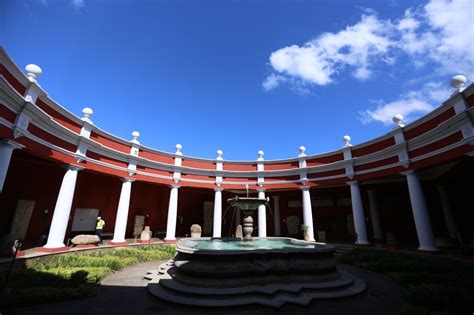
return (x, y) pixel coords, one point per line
(69, 276)
(434, 285)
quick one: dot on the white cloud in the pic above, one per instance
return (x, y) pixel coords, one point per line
(77, 4)
(440, 32)
(272, 81)
(318, 60)
(411, 104)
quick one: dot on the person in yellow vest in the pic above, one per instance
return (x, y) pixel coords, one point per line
(99, 227)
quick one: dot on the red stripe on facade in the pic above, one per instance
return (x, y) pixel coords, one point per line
(104, 169)
(156, 157)
(387, 161)
(339, 171)
(374, 147)
(197, 164)
(45, 152)
(240, 167)
(325, 159)
(110, 143)
(40, 133)
(20, 88)
(379, 174)
(5, 132)
(7, 114)
(197, 185)
(430, 124)
(240, 179)
(153, 171)
(105, 159)
(200, 177)
(331, 182)
(281, 166)
(443, 157)
(61, 119)
(279, 178)
(470, 100)
(455, 137)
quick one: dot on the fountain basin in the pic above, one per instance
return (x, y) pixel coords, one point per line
(267, 271)
(233, 258)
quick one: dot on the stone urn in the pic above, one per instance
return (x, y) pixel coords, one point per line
(146, 234)
(196, 230)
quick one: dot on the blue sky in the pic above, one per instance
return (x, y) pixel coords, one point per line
(243, 75)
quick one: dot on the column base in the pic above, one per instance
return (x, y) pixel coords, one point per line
(170, 241)
(362, 244)
(53, 250)
(86, 246)
(145, 242)
(117, 243)
(427, 249)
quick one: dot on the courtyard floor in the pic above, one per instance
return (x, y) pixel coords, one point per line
(125, 292)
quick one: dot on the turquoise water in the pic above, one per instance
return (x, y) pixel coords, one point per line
(255, 244)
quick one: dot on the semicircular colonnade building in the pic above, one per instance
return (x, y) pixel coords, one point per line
(58, 170)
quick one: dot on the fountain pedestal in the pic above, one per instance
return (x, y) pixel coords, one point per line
(248, 227)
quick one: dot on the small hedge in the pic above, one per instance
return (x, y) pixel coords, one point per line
(435, 285)
(72, 275)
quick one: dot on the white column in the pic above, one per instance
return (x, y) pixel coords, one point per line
(374, 215)
(217, 220)
(6, 150)
(122, 211)
(172, 214)
(448, 213)
(420, 212)
(276, 215)
(308, 212)
(358, 213)
(262, 216)
(57, 231)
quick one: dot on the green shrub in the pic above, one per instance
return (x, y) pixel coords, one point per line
(84, 260)
(435, 285)
(72, 275)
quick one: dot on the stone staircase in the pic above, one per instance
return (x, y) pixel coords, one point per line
(167, 284)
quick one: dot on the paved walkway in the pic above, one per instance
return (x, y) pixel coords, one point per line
(124, 292)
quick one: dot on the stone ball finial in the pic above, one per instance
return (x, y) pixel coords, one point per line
(135, 135)
(33, 71)
(458, 82)
(346, 139)
(260, 154)
(87, 112)
(398, 120)
(302, 149)
(178, 148)
(219, 153)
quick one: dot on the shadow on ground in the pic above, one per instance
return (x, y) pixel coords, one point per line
(125, 292)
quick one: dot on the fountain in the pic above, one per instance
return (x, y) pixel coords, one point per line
(271, 271)
(247, 205)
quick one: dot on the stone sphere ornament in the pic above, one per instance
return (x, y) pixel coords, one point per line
(398, 120)
(33, 71)
(458, 82)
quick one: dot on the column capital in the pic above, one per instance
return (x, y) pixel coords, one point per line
(304, 188)
(174, 186)
(218, 189)
(406, 173)
(127, 180)
(353, 182)
(9, 143)
(73, 167)
(260, 189)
